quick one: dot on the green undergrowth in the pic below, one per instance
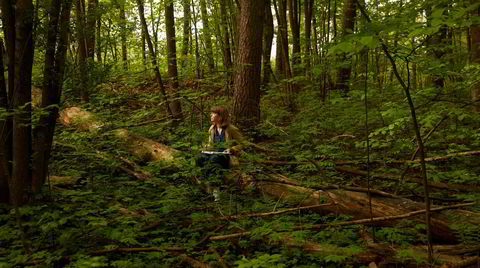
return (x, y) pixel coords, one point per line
(70, 225)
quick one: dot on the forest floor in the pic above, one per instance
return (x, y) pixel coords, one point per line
(95, 212)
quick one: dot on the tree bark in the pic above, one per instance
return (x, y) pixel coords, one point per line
(172, 58)
(349, 14)
(123, 35)
(289, 97)
(82, 50)
(6, 136)
(308, 6)
(475, 56)
(295, 28)
(153, 57)
(98, 46)
(187, 33)
(227, 53)
(90, 30)
(4, 154)
(246, 105)
(267, 45)
(22, 140)
(55, 55)
(207, 36)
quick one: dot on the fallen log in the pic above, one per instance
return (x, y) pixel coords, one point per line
(356, 204)
(368, 221)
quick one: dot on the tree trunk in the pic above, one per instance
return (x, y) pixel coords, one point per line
(438, 45)
(198, 71)
(144, 50)
(227, 53)
(90, 29)
(82, 50)
(187, 32)
(98, 40)
(153, 57)
(246, 104)
(172, 58)
(343, 76)
(207, 36)
(123, 35)
(295, 28)
(308, 6)
(20, 182)
(475, 56)
(267, 45)
(4, 152)
(52, 88)
(289, 97)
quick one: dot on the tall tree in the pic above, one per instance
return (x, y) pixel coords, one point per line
(187, 32)
(54, 69)
(153, 57)
(207, 35)
(82, 50)
(22, 95)
(287, 70)
(4, 154)
(90, 30)
(344, 72)
(227, 54)
(123, 33)
(308, 8)
(172, 57)
(293, 15)
(475, 53)
(246, 102)
(267, 42)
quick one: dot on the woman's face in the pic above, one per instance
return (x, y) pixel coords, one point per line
(215, 118)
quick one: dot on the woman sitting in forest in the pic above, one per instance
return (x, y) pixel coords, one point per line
(224, 144)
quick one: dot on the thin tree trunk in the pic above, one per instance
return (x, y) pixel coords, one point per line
(98, 47)
(344, 72)
(198, 71)
(90, 29)
(267, 45)
(20, 182)
(144, 50)
(52, 88)
(335, 20)
(475, 56)
(308, 6)
(153, 57)
(227, 53)
(295, 28)
(82, 50)
(246, 105)
(421, 148)
(172, 58)
(123, 35)
(282, 22)
(207, 36)
(187, 32)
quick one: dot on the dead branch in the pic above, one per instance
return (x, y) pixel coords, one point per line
(466, 263)
(346, 223)
(267, 214)
(137, 250)
(437, 185)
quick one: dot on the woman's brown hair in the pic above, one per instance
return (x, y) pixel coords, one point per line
(223, 113)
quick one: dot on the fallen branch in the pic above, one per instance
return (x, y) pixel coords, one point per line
(267, 214)
(136, 250)
(346, 223)
(437, 185)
